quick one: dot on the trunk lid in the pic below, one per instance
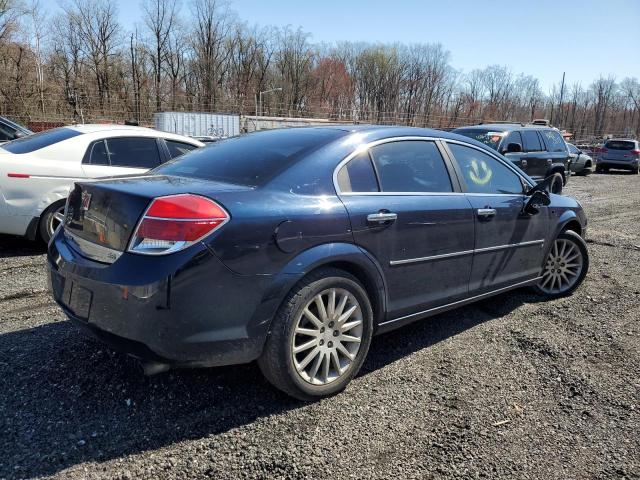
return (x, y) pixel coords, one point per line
(106, 212)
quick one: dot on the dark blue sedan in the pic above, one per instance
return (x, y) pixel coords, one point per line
(293, 247)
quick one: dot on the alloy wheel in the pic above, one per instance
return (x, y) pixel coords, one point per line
(327, 336)
(563, 267)
(55, 219)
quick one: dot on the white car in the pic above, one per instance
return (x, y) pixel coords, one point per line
(38, 171)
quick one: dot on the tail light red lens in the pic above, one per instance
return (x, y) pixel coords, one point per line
(175, 222)
(635, 152)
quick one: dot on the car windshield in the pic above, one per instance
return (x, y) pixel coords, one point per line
(489, 138)
(40, 140)
(619, 145)
(252, 159)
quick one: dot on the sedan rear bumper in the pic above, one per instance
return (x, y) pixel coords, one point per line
(185, 310)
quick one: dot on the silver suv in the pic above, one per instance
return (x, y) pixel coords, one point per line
(621, 153)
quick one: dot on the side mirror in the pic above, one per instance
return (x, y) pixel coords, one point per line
(538, 199)
(18, 134)
(512, 147)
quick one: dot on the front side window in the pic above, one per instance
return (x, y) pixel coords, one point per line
(358, 175)
(133, 152)
(411, 166)
(178, 148)
(531, 141)
(484, 174)
(554, 141)
(573, 149)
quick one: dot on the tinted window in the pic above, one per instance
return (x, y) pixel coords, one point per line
(6, 132)
(483, 173)
(513, 137)
(554, 141)
(411, 166)
(98, 154)
(531, 141)
(358, 175)
(620, 145)
(573, 148)
(489, 138)
(40, 140)
(251, 159)
(135, 152)
(178, 148)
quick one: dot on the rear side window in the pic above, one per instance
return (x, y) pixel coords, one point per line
(178, 148)
(133, 152)
(531, 141)
(513, 137)
(252, 159)
(489, 138)
(411, 166)
(554, 141)
(40, 140)
(358, 175)
(620, 145)
(98, 154)
(484, 174)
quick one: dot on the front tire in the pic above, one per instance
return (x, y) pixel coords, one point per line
(565, 267)
(50, 219)
(320, 336)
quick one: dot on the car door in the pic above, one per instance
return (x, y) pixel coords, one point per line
(557, 151)
(121, 156)
(509, 244)
(534, 154)
(406, 211)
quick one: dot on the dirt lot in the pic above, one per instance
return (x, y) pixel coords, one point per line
(509, 388)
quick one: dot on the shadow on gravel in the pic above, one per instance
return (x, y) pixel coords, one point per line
(66, 399)
(11, 246)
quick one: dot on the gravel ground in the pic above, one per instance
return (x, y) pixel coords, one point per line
(512, 387)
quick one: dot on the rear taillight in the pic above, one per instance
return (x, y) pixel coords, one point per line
(175, 222)
(603, 150)
(635, 152)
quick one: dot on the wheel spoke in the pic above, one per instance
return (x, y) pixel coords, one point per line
(310, 356)
(345, 316)
(336, 361)
(349, 325)
(342, 349)
(321, 308)
(59, 217)
(305, 346)
(349, 338)
(343, 303)
(331, 303)
(307, 331)
(326, 365)
(307, 313)
(316, 366)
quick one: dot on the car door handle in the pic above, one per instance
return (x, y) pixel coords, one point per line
(381, 217)
(487, 212)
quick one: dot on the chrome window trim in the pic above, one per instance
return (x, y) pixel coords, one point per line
(461, 302)
(466, 252)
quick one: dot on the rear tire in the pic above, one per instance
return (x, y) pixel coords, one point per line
(314, 351)
(50, 219)
(556, 184)
(565, 267)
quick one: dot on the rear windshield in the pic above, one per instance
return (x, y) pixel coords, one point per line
(489, 138)
(40, 140)
(620, 145)
(252, 159)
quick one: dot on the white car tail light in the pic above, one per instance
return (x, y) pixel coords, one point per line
(175, 222)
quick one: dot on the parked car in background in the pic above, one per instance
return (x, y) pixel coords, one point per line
(38, 171)
(295, 246)
(11, 130)
(621, 154)
(538, 150)
(581, 162)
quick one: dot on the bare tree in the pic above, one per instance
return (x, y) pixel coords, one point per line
(160, 19)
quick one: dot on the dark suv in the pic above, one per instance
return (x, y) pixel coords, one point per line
(539, 151)
(622, 153)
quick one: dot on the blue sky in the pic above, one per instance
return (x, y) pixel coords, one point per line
(542, 38)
